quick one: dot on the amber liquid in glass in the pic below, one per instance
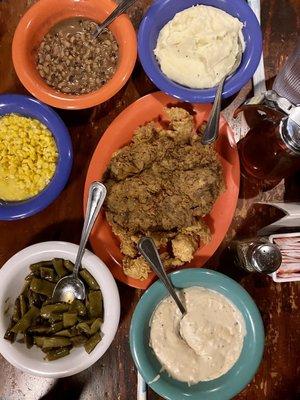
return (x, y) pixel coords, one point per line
(263, 154)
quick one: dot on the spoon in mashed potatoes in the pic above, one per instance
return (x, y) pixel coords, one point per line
(149, 251)
(210, 133)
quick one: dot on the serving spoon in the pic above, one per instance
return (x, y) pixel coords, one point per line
(71, 287)
(211, 130)
(122, 7)
(149, 251)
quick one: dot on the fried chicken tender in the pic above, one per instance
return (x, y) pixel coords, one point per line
(184, 246)
(161, 185)
(198, 229)
(136, 268)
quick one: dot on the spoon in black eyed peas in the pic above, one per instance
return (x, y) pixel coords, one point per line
(71, 287)
(148, 250)
(122, 7)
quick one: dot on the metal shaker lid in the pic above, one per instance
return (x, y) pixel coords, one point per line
(290, 132)
(265, 257)
(290, 125)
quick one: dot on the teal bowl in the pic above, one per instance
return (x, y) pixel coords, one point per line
(228, 385)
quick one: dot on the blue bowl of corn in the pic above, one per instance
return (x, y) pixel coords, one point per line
(35, 156)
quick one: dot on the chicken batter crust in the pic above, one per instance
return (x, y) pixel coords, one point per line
(162, 185)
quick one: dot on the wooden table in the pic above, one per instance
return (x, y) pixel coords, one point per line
(114, 376)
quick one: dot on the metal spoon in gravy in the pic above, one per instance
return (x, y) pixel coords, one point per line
(149, 251)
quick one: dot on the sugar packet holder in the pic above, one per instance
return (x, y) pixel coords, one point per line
(289, 271)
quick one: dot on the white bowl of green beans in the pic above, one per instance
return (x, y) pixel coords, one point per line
(48, 339)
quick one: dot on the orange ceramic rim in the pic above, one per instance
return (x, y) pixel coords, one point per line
(104, 243)
(38, 20)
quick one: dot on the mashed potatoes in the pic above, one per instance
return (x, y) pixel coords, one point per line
(198, 46)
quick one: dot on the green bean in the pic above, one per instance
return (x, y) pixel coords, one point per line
(25, 322)
(9, 335)
(28, 339)
(17, 311)
(78, 307)
(83, 327)
(26, 289)
(78, 340)
(64, 333)
(36, 269)
(55, 318)
(89, 279)
(56, 308)
(42, 287)
(38, 341)
(59, 267)
(23, 304)
(39, 329)
(56, 327)
(96, 325)
(53, 342)
(71, 332)
(29, 277)
(69, 319)
(48, 274)
(92, 342)
(88, 321)
(95, 304)
(58, 353)
(69, 265)
(40, 264)
(34, 299)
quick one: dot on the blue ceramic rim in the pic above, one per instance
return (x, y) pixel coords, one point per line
(192, 277)
(30, 107)
(251, 57)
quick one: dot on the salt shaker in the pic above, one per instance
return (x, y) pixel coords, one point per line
(256, 255)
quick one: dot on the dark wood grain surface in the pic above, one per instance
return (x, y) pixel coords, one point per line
(114, 376)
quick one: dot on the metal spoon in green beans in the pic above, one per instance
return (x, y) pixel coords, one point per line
(56, 327)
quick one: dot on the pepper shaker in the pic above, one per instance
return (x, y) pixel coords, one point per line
(256, 255)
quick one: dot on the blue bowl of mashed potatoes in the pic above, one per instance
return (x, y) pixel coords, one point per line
(186, 47)
(210, 353)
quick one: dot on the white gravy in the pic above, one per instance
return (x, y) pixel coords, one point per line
(205, 343)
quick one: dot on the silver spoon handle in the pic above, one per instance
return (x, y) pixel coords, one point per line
(212, 128)
(149, 251)
(122, 7)
(97, 193)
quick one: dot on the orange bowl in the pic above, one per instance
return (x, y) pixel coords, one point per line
(37, 22)
(118, 134)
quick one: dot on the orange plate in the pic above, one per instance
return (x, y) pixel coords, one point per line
(118, 134)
